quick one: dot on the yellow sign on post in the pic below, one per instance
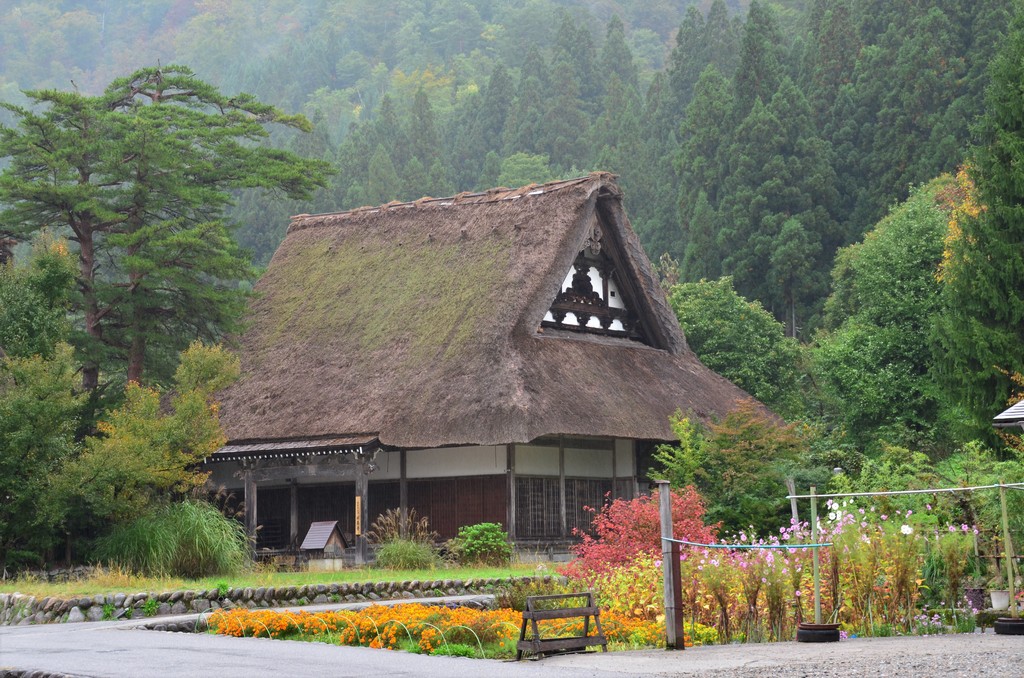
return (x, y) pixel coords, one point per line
(359, 515)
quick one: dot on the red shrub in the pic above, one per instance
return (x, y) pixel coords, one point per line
(625, 528)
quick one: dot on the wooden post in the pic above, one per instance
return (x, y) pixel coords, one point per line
(674, 633)
(362, 511)
(510, 489)
(814, 540)
(615, 470)
(791, 488)
(403, 494)
(1008, 551)
(250, 507)
(561, 487)
(293, 516)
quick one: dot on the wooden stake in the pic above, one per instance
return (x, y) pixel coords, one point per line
(674, 634)
(814, 540)
(1008, 551)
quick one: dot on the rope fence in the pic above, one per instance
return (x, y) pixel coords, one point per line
(745, 546)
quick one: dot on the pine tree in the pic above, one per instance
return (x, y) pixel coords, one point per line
(140, 176)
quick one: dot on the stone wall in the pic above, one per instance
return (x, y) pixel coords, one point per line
(19, 609)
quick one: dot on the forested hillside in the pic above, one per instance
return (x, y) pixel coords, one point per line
(752, 139)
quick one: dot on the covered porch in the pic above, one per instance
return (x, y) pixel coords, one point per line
(540, 492)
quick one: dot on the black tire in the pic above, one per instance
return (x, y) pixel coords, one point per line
(817, 635)
(1010, 627)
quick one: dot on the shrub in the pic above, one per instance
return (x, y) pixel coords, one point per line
(626, 528)
(634, 589)
(484, 543)
(189, 539)
(390, 526)
(406, 554)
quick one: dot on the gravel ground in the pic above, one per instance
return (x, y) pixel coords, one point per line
(972, 655)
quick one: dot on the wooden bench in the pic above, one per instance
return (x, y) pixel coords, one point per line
(536, 611)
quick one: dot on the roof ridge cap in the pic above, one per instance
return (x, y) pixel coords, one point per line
(490, 195)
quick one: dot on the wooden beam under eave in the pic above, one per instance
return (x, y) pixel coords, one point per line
(250, 507)
(510, 472)
(362, 512)
(293, 515)
(403, 493)
(561, 486)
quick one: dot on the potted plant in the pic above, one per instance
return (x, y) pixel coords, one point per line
(998, 592)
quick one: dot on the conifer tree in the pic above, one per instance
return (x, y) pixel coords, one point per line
(980, 340)
(760, 69)
(140, 176)
(704, 135)
(616, 57)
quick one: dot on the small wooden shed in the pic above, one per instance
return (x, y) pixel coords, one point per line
(324, 539)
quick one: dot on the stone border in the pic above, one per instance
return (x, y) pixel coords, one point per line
(19, 609)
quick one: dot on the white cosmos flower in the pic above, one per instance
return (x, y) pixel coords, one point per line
(907, 529)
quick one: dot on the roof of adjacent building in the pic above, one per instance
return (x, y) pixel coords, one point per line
(421, 322)
(1012, 416)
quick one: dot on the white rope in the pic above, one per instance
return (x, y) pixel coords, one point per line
(1011, 486)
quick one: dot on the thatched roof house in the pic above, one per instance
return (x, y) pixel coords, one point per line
(485, 320)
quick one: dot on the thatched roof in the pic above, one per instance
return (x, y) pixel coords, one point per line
(420, 322)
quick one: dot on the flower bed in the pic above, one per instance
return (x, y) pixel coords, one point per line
(900, 572)
(426, 628)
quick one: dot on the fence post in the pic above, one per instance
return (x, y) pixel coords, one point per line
(814, 551)
(674, 633)
(1008, 551)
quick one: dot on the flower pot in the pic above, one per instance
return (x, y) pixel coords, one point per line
(817, 633)
(1010, 626)
(1000, 599)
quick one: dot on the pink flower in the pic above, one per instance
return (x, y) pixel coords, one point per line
(885, 517)
(798, 594)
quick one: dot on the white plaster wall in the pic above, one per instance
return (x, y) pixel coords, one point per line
(533, 460)
(595, 281)
(588, 463)
(624, 458)
(614, 295)
(455, 461)
(389, 466)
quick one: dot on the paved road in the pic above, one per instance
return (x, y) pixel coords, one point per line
(121, 650)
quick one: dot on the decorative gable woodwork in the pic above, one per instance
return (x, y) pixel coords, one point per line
(591, 299)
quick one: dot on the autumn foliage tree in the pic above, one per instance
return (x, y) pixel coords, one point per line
(625, 528)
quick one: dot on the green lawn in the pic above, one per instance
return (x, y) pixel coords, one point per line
(120, 582)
